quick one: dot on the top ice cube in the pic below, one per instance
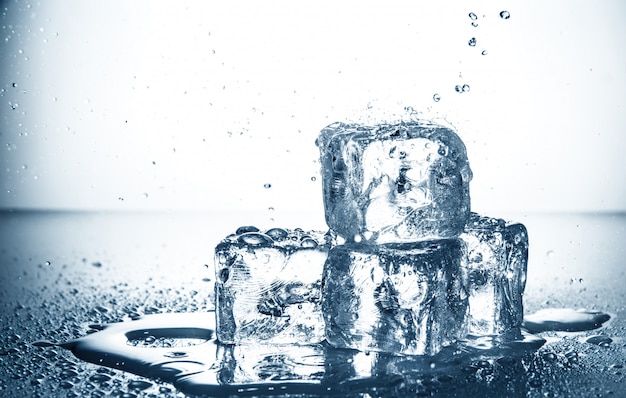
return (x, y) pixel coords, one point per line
(397, 183)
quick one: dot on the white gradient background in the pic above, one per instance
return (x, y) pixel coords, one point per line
(141, 105)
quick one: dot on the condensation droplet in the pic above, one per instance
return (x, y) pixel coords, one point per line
(436, 97)
(505, 15)
(472, 42)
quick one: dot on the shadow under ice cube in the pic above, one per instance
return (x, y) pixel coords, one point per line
(399, 298)
(496, 262)
(268, 286)
(394, 183)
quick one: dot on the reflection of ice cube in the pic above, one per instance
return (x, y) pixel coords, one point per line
(394, 183)
(400, 298)
(268, 286)
(260, 362)
(497, 256)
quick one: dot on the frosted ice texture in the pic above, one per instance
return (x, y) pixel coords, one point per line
(496, 262)
(400, 298)
(394, 183)
(267, 286)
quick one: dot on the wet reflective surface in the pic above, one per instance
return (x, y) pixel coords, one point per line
(66, 276)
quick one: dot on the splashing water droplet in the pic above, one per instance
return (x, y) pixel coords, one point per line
(472, 42)
(505, 15)
(436, 97)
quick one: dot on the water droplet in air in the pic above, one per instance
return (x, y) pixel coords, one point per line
(484, 52)
(473, 16)
(313, 178)
(505, 15)
(48, 263)
(474, 24)
(14, 85)
(436, 97)
(465, 88)
(267, 185)
(458, 88)
(472, 42)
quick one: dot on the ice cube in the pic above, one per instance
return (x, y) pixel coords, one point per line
(268, 286)
(394, 183)
(496, 261)
(405, 298)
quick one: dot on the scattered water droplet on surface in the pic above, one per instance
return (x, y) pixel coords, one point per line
(255, 238)
(564, 319)
(602, 341)
(246, 228)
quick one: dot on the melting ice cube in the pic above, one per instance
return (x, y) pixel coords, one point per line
(268, 286)
(399, 298)
(496, 262)
(394, 183)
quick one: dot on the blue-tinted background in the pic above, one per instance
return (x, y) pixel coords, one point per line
(197, 105)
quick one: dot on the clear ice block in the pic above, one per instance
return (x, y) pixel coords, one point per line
(268, 286)
(394, 183)
(400, 298)
(496, 262)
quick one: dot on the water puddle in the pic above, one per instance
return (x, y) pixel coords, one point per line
(180, 348)
(564, 320)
